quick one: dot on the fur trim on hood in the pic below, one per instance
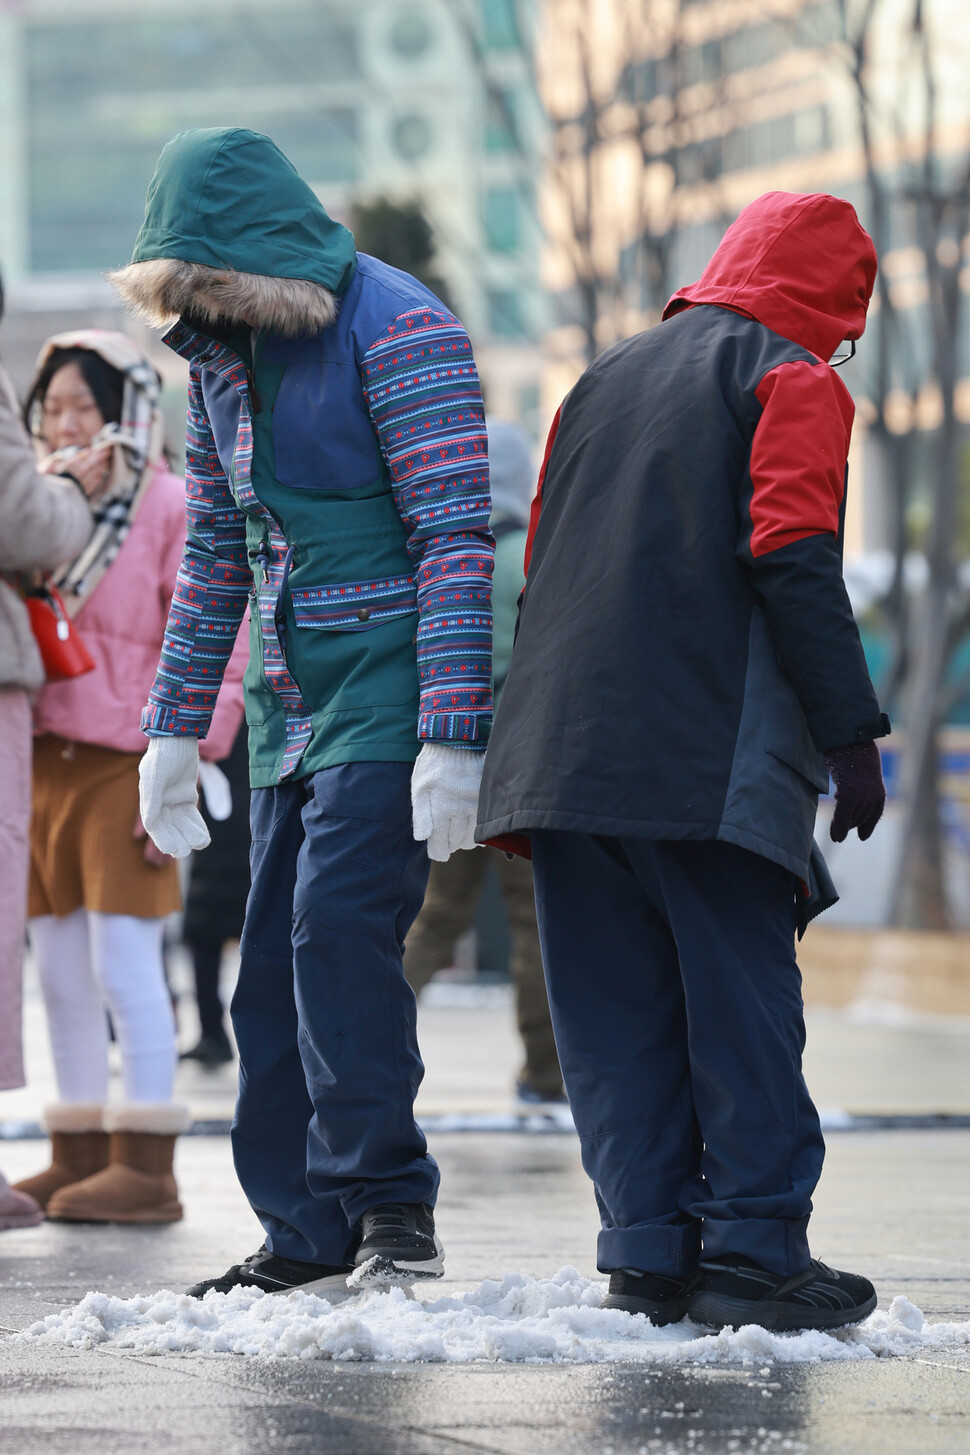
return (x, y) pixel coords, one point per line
(164, 289)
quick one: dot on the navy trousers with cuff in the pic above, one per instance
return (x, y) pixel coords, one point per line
(676, 1003)
(323, 1016)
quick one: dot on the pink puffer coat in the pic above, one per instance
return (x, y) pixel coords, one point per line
(122, 625)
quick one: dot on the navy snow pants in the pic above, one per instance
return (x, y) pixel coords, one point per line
(676, 1003)
(323, 1016)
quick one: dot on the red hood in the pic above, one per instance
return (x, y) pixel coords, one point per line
(803, 266)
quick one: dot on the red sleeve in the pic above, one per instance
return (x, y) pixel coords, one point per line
(537, 502)
(798, 455)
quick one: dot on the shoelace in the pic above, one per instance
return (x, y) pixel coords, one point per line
(248, 1262)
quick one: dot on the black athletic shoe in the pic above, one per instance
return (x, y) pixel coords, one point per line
(398, 1243)
(276, 1275)
(663, 1300)
(735, 1291)
(209, 1052)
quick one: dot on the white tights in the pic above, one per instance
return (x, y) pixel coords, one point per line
(89, 962)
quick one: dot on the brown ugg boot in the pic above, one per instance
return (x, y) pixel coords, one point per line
(79, 1148)
(137, 1186)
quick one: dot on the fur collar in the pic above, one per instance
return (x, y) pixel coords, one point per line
(163, 289)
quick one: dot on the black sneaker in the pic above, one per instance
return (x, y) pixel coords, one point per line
(209, 1052)
(663, 1300)
(265, 1270)
(398, 1243)
(735, 1291)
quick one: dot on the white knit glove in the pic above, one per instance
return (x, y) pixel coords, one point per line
(216, 791)
(444, 798)
(169, 798)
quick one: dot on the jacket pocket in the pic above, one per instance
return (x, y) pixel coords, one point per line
(261, 702)
(354, 606)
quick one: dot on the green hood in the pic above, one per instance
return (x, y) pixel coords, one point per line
(228, 198)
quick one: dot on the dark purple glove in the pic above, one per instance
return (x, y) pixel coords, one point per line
(860, 793)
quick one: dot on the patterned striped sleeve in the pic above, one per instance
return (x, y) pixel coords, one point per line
(211, 589)
(422, 390)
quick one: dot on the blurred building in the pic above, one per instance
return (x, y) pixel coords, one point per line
(669, 116)
(425, 99)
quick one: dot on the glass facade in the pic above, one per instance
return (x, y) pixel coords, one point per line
(758, 145)
(743, 50)
(505, 319)
(501, 126)
(408, 99)
(502, 219)
(500, 24)
(103, 97)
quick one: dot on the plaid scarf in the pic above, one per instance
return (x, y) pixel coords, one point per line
(136, 446)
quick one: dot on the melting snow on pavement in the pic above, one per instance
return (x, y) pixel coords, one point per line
(516, 1319)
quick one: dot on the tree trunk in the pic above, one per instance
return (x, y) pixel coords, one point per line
(919, 894)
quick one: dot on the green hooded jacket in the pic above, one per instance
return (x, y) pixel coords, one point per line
(334, 476)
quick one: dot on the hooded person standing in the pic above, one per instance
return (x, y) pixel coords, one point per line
(686, 676)
(337, 476)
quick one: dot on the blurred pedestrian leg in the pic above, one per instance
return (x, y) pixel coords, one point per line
(87, 963)
(449, 909)
(212, 1047)
(90, 964)
(215, 905)
(540, 1073)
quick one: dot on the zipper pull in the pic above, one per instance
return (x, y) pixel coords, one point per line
(263, 559)
(285, 575)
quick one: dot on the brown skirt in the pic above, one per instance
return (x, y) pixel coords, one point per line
(83, 850)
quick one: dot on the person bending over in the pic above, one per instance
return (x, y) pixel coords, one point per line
(337, 477)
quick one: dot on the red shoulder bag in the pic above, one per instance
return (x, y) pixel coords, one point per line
(61, 649)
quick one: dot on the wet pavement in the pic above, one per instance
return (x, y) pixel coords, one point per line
(79, 1403)
(892, 1204)
(872, 1057)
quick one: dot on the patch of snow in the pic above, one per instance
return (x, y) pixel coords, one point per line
(515, 1319)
